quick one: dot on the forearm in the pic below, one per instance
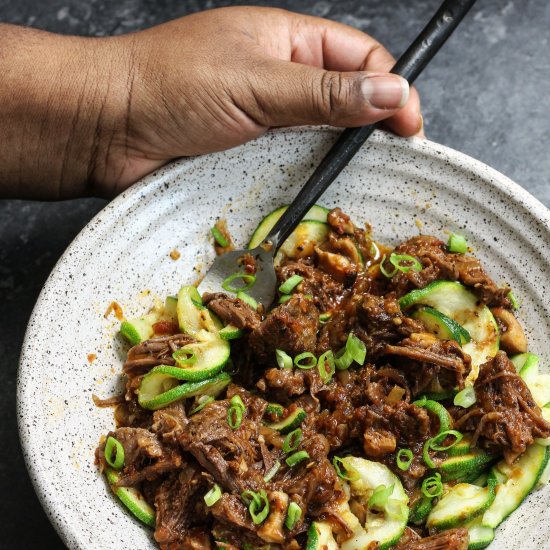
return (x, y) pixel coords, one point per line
(59, 112)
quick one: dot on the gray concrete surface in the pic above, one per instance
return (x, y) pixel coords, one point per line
(486, 94)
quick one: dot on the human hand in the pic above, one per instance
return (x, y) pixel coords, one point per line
(214, 80)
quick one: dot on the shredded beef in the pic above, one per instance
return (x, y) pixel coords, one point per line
(505, 417)
(232, 310)
(438, 263)
(291, 327)
(453, 539)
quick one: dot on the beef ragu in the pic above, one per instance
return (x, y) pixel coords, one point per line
(374, 406)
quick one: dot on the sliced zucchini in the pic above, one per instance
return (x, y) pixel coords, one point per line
(521, 477)
(468, 464)
(160, 387)
(383, 528)
(193, 317)
(132, 499)
(461, 503)
(316, 213)
(527, 365)
(319, 537)
(291, 422)
(303, 240)
(275, 408)
(420, 510)
(461, 448)
(231, 332)
(171, 308)
(455, 301)
(137, 330)
(479, 535)
(442, 326)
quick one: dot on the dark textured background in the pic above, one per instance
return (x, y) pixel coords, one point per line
(486, 94)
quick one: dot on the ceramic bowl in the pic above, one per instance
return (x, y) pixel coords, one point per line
(402, 187)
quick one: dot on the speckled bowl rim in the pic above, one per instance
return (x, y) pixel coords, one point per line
(43, 484)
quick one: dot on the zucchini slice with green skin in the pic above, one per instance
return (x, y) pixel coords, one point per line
(385, 528)
(316, 213)
(461, 448)
(291, 422)
(193, 317)
(171, 308)
(420, 510)
(479, 535)
(442, 326)
(132, 499)
(522, 476)
(302, 241)
(137, 330)
(455, 301)
(231, 332)
(527, 365)
(458, 467)
(461, 503)
(160, 388)
(319, 537)
(275, 408)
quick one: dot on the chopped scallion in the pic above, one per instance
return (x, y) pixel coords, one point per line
(465, 398)
(219, 237)
(293, 515)
(213, 495)
(380, 496)
(258, 505)
(356, 348)
(432, 486)
(247, 299)
(343, 471)
(343, 359)
(283, 359)
(305, 361)
(404, 459)
(405, 263)
(297, 457)
(426, 454)
(272, 471)
(247, 278)
(184, 356)
(290, 284)
(292, 440)
(235, 412)
(439, 438)
(458, 244)
(326, 366)
(324, 317)
(202, 402)
(114, 446)
(384, 271)
(285, 298)
(513, 300)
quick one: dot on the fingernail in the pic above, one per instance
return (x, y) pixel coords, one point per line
(385, 91)
(420, 132)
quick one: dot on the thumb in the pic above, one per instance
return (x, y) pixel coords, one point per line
(287, 94)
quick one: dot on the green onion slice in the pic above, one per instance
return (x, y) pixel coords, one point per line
(465, 398)
(426, 454)
(294, 513)
(213, 495)
(445, 420)
(290, 284)
(432, 486)
(439, 438)
(405, 263)
(458, 244)
(258, 505)
(184, 356)
(343, 471)
(380, 496)
(356, 348)
(404, 459)
(384, 271)
(324, 317)
(285, 298)
(247, 278)
(292, 440)
(202, 402)
(305, 361)
(114, 446)
(343, 359)
(218, 236)
(326, 366)
(272, 471)
(236, 401)
(513, 300)
(235, 416)
(297, 457)
(283, 359)
(274, 408)
(247, 299)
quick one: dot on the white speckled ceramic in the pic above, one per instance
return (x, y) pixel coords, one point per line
(402, 187)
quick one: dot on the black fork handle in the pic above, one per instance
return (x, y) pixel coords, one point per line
(409, 66)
